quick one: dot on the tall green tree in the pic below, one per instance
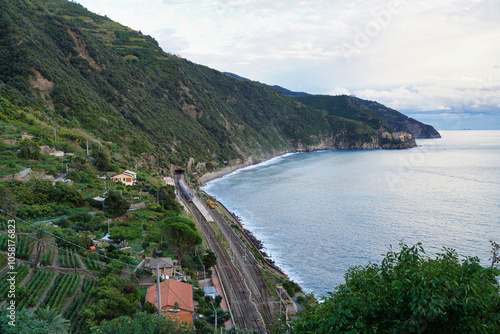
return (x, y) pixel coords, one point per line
(29, 149)
(101, 159)
(209, 259)
(40, 242)
(168, 199)
(115, 204)
(411, 293)
(181, 237)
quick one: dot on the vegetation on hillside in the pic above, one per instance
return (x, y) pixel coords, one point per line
(94, 80)
(411, 293)
(371, 112)
(347, 107)
(399, 121)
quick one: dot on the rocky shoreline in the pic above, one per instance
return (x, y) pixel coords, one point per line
(207, 177)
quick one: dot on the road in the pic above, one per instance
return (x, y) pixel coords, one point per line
(250, 295)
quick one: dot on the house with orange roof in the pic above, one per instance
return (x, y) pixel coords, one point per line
(176, 300)
(127, 177)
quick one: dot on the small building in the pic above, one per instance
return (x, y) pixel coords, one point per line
(176, 300)
(24, 135)
(210, 291)
(57, 153)
(165, 264)
(169, 181)
(127, 177)
(45, 149)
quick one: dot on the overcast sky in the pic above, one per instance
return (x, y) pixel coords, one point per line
(435, 60)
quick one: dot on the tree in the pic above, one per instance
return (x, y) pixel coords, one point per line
(177, 219)
(142, 323)
(101, 159)
(25, 323)
(150, 308)
(114, 297)
(29, 149)
(182, 238)
(209, 259)
(79, 162)
(55, 322)
(168, 199)
(115, 204)
(40, 242)
(65, 193)
(411, 293)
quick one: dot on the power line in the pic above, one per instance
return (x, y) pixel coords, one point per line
(69, 242)
(79, 255)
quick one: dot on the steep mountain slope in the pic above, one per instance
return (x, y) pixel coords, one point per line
(373, 113)
(401, 122)
(347, 107)
(64, 67)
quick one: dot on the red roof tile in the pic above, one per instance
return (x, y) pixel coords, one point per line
(172, 291)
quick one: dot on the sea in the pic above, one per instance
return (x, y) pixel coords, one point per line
(320, 213)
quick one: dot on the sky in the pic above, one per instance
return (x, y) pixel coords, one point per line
(437, 61)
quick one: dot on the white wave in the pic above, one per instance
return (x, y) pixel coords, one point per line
(265, 163)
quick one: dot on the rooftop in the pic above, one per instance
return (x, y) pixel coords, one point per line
(172, 292)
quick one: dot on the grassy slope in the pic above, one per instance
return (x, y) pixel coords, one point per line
(69, 68)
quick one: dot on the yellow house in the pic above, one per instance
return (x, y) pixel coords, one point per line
(127, 177)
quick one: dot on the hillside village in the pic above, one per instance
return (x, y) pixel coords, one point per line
(89, 241)
(78, 225)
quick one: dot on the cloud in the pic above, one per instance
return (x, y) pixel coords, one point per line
(435, 97)
(339, 91)
(412, 55)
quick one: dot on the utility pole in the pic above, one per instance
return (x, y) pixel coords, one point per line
(87, 147)
(55, 135)
(215, 313)
(158, 286)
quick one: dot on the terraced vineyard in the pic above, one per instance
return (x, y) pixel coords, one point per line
(68, 259)
(22, 272)
(35, 288)
(68, 293)
(82, 297)
(23, 248)
(92, 263)
(64, 286)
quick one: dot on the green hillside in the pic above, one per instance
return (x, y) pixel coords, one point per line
(401, 122)
(347, 107)
(64, 67)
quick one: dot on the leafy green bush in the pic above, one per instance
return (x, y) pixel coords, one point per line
(411, 293)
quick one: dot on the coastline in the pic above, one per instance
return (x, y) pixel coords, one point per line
(323, 145)
(210, 176)
(252, 161)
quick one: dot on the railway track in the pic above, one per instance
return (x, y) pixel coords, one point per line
(250, 268)
(245, 301)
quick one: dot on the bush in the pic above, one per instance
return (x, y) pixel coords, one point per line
(411, 293)
(64, 223)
